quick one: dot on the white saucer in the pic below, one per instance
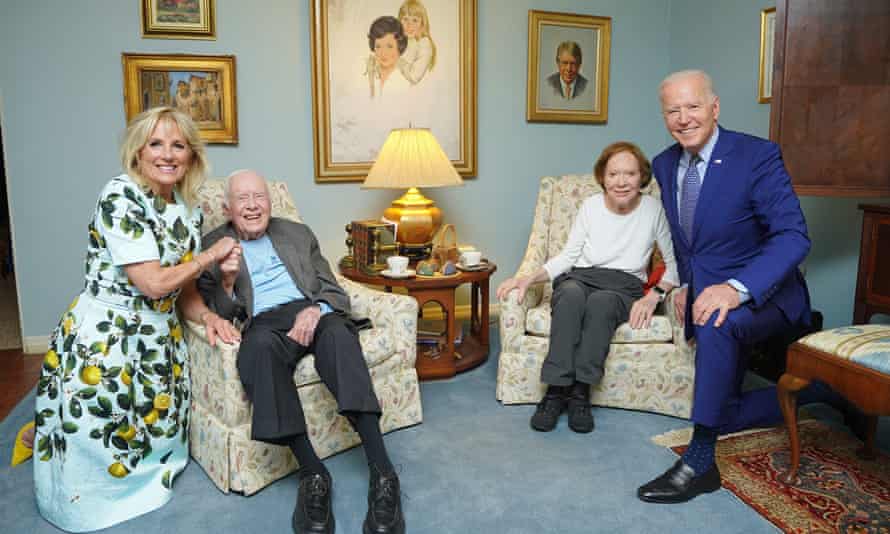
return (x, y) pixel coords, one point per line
(389, 274)
(481, 266)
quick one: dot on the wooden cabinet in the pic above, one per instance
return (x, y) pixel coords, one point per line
(831, 95)
(873, 281)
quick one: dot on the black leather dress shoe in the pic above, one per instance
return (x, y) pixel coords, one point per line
(384, 504)
(547, 413)
(679, 484)
(313, 513)
(580, 415)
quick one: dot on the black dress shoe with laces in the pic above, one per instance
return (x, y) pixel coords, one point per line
(548, 411)
(313, 513)
(580, 416)
(384, 504)
(679, 484)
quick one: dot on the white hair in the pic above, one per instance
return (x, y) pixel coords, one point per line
(689, 73)
(228, 188)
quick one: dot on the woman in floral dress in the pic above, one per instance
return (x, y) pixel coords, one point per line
(112, 413)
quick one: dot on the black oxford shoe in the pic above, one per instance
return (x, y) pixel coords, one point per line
(384, 504)
(679, 484)
(547, 413)
(313, 513)
(580, 415)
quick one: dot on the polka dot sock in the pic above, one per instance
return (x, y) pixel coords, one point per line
(700, 453)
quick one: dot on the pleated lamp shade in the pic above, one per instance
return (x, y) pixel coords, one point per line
(412, 158)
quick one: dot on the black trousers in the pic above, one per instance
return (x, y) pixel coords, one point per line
(267, 359)
(588, 304)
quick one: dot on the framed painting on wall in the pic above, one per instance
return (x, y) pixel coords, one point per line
(385, 64)
(568, 67)
(202, 87)
(767, 45)
(179, 19)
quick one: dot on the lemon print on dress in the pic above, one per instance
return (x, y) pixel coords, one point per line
(176, 333)
(128, 432)
(187, 257)
(126, 378)
(118, 470)
(162, 401)
(51, 360)
(67, 324)
(151, 417)
(91, 375)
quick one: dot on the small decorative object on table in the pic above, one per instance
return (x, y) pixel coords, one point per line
(445, 245)
(372, 243)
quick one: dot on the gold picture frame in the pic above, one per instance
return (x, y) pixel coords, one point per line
(358, 97)
(186, 19)
(767, 45)
(201, 86)
(560, 88)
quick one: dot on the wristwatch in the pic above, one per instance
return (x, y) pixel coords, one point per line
(661, 293)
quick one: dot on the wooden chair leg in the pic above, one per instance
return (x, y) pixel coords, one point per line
(788, 387)
(868, 451)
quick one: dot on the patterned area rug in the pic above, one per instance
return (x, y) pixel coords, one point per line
(838, 492)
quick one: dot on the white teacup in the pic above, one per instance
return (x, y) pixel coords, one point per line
(397, 264)
(471, 258)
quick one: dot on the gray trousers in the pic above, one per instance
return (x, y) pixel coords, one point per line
(588, 305)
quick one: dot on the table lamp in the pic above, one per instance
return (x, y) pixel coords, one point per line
(412, 158)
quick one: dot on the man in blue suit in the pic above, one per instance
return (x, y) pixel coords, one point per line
(739, 236)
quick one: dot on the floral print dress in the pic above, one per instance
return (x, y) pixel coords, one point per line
(113, 396)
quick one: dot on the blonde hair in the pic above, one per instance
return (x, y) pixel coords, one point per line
(417, 9)
(137, 134)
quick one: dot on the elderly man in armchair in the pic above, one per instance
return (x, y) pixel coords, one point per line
(277, 283)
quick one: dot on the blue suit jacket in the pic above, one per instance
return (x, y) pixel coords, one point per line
(748, 224)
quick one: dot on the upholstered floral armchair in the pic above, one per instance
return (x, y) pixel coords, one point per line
(220, 412)
(649, 369)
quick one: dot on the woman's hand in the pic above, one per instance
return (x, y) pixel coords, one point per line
(221, 249)
(217, 327)
(642, 310)
(520, 282)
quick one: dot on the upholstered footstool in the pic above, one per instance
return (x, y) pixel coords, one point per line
(855, 361)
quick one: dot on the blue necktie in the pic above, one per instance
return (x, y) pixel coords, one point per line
(689, 197)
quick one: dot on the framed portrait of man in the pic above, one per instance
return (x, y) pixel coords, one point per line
(385, 64)
(568, 67)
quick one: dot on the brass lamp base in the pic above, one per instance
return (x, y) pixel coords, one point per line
(418, 219)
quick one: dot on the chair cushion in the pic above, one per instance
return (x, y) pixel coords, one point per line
(537, 323)
(867, 345)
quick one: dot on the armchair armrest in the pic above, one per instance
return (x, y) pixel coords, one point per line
(677, 326)
(398, 313)
(512, 312)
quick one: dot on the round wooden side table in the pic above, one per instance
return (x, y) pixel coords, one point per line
(447, 358)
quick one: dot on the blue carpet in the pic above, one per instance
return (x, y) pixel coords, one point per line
(473, 466)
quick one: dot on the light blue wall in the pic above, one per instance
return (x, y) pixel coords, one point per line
(723, 37)
(61, 98)
(61, 105)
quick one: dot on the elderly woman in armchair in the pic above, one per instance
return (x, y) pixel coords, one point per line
(598, 283)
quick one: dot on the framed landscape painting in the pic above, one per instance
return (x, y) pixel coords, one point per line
(178, 19)
(202, 87)
(385, 64)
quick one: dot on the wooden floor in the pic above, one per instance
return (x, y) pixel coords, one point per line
(18, 375)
